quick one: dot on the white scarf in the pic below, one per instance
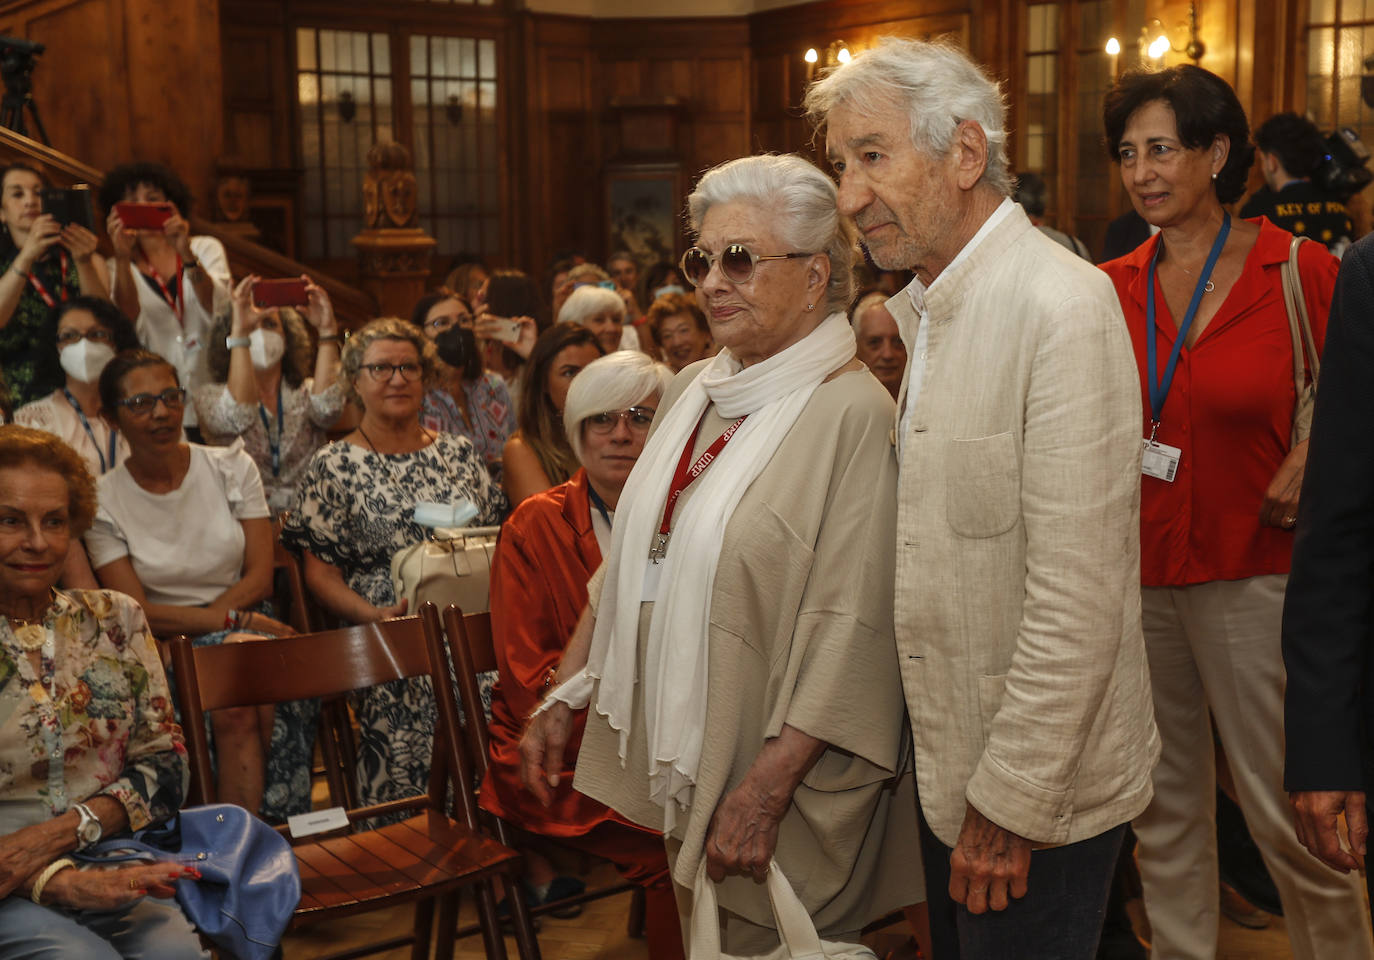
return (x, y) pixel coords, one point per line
(773, 393)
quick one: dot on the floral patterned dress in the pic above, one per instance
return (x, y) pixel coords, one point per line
(96, 722)
(353, 509)
(490, 420)
(28, 343)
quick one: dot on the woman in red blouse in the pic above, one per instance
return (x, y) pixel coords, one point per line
(1218, 503)
(549, 548)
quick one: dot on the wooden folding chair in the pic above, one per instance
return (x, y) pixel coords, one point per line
(470, 641)
(425, 859)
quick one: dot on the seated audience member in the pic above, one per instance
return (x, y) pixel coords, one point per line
(466, 399)
(6, 408)
(43, 263)
(354, 508)
(505, 321)
(549, 548)
(1034, 196)
(184, 530)
(172, 283)
(879, 344)
(467, 279)
(681, 330)
(90, 331)
(538, 454)
(88, 690)
(560, 287)
(260, 386)
(661, 278)
(624, 270)
(603, 313)
(1291, 153)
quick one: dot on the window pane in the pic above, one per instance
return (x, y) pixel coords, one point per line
(305, 49)
(381, 54)
(1321, 11)
(419, 56)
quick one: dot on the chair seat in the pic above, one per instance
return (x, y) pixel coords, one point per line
(415, 858)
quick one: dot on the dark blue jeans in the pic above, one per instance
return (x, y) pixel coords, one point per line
(1059, 918)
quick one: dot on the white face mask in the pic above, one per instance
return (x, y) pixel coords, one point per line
(85, 359)
(266, 347)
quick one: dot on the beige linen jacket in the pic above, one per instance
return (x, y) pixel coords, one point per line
(1018, 547)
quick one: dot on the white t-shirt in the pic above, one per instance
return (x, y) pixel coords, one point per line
(157, 324)
(186, 546)
(92, 439)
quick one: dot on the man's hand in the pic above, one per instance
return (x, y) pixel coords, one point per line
(1315, 814)
(988, 864)
(541, 750)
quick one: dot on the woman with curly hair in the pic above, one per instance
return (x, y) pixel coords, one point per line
(261, 388)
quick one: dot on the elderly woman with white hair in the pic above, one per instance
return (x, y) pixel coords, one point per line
(601, 311)
(549, 548)
(743, 705)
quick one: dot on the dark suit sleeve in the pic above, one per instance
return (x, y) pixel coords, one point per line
(1327, 612)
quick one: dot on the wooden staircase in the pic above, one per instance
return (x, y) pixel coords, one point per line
(352, 306)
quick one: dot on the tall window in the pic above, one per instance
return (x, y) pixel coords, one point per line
(1041, 141)
(453, 102)
(1095, 178)
(343, 84)
(1340, 34)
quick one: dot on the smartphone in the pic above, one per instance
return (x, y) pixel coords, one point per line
(280, 293)
(507, 330)
(70, 205)
(144, 216)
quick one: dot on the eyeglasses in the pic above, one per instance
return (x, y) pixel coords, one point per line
(96, 335)
(639, 419)
(737, 263)
(447, 322)
(143, 404)
(382, 372)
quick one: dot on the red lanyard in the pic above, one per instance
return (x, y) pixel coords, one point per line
(177, 302)
(686, 472)
(61, 282)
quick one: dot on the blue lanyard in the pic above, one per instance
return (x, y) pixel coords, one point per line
(273, 444)
(86, 424)
(600, 504)
(1159, 389)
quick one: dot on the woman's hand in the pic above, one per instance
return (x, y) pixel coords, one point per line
(388, 613)
(122, 240)
(22, 854)
(1280, 507)
(486, 327)
(245, 314)
(262, 623)
(79, 241)
(178, 234)
(43, 235)
(541, 750)
(113, 888)
(744, 832)
(320, 311)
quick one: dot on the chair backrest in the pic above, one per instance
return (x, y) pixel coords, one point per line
(304, 616)
(322, 664)
(474, 652)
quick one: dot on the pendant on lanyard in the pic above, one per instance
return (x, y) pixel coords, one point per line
(686, 472)
(86, 424)
(273, 443)
(1160, 460)
(63, 265)
(174, 296)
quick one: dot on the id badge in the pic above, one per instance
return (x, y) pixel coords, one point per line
(649, 594)
(1159, 460)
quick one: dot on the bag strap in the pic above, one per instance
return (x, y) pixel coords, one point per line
(795, 929)
(1299, 326)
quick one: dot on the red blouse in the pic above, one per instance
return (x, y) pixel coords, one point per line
(546, 555)
(1230, 410)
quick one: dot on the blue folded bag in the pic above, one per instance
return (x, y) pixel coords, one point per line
(250, 883)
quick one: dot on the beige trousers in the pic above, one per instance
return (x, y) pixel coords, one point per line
(1214, 649)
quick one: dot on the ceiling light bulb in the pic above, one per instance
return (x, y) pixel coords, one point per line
(1159, 46)
(811, 55)
(1113, 46)
(843, 55)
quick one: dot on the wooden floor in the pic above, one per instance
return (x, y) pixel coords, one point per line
(599, 934)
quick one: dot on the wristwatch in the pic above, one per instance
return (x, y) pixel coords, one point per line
(89, 830)
(232, 342)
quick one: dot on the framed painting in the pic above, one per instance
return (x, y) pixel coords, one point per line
(644, 211)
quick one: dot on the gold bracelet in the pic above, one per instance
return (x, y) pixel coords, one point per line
(50, 871)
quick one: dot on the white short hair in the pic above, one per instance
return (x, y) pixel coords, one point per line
(588, 301)
(937, 83)
(871, 299)
(613, 382)
(798, 199)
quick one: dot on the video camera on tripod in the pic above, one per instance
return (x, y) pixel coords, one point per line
(18, 58)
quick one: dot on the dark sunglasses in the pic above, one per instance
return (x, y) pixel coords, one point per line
(737, 263)
(141, 405)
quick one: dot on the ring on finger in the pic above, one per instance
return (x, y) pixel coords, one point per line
(133, 884)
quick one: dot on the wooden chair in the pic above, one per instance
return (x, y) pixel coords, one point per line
(474, 653)
(425, 859)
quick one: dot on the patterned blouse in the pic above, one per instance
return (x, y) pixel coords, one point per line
(110, 713)
(353, 507)
(491, 410)
(28, 343)
(305, 418)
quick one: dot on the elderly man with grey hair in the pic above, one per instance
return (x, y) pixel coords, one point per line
(1017, 582)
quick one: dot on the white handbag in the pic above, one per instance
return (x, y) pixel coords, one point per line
(453, 566)
(795, 929)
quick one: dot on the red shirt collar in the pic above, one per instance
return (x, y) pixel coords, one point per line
(1271, 247)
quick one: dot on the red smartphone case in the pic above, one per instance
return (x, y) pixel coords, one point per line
(280, 293)
(144, 216)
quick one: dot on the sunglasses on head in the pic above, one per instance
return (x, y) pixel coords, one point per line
(736, 261)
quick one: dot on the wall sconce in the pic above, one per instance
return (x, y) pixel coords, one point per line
(837, 54)
(348, 107)
(1156, 40)
(453, 109)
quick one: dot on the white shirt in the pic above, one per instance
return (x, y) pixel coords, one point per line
(916, 340)
(157, 325)
(186, 546)
(53, 414)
